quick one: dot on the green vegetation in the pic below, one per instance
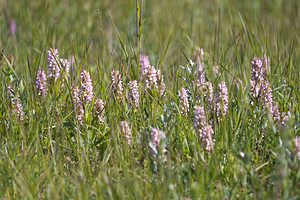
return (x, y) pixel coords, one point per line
(51, 155)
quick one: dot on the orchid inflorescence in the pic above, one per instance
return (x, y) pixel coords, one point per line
(211, 105)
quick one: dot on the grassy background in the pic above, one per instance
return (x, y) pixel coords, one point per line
(52, 156)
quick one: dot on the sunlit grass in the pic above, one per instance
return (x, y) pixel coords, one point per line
(52, 155)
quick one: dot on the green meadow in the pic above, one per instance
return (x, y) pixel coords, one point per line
(56, 145)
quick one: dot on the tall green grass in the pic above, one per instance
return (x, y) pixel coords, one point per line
(52, 156)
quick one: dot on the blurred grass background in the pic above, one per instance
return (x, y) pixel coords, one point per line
(231, 32)
(170, 26)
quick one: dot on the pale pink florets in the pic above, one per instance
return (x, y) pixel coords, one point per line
(261, 90)
(199, 59)
(260, 87)
(279, 118)
(133, 94)
(17, 106)
(150, 77)
(143, 63)
(99, 110)
(256, 77)
(266, 96)
(216, 69)
(52, 64)
(199, 117)
(77, 103)
(19, 111)
(297, 146)
(125, 129)
(41, 83)
(86, 86)
(198, 56)
(221, 100)
(254, 90)
(257, 70)
(200, 78)
(203, 129)
(183, 102)
(10, 92)
(154, 78)
(65, 65)
(276, 113)
(116, 84)
(209, 95)
(12, 26)
(283, 118)
(156, 136)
